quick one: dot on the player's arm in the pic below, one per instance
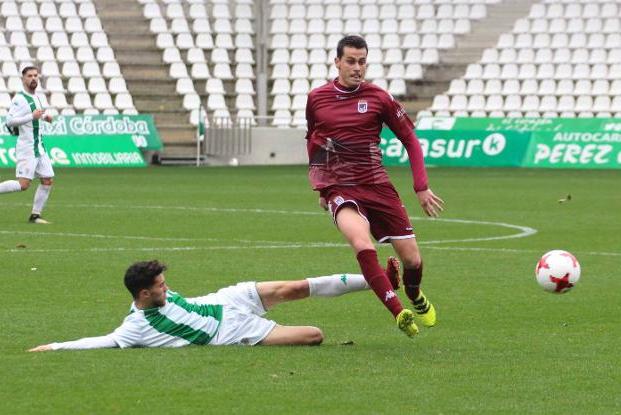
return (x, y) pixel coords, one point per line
(398, 121)
(20, 113)
(101, 342)
(127, 334)
(429, 201)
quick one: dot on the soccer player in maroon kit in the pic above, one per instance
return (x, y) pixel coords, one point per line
(345, 117)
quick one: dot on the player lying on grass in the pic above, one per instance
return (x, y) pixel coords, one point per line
(233, 315)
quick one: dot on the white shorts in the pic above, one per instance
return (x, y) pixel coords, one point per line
(30, 167)
(241, 323)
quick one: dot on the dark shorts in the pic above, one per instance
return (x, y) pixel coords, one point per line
(379, 204)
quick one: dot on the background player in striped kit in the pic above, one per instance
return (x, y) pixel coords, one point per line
(233, 315)
(24, 120)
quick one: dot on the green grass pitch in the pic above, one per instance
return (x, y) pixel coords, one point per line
(502, 345)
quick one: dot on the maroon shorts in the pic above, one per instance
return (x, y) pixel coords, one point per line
(379, 204)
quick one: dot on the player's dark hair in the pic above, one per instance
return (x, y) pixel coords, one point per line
(29, 68)
(141, 275)
(352, 41)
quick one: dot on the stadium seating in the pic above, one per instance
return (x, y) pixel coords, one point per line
(215, 41)
(564, 58)
(403, 38)
(66, 39)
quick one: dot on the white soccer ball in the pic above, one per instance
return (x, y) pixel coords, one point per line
(557, 271)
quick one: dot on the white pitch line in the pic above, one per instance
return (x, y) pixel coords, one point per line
(180, 248)
(101, 236)
(524, 231)
(146, 238)
(514, 250)
(185, 208)
(291, 246)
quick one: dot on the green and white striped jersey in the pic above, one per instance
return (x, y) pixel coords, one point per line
(182, 321)
(29, 141)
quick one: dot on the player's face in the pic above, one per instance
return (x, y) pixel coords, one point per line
(157, 292)
(31, 79)
(352, 66)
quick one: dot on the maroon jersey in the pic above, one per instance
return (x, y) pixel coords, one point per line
(343, 136)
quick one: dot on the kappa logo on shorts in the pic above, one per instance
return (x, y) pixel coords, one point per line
(339, 200)
(363, 106)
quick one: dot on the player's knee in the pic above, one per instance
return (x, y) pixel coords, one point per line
(412, 262)
(294, 290)
(362, 243)
(47, 182)
(314, 336)
(24, 185)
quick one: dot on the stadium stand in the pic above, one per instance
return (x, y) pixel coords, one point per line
(250, 62)
(562, 59)
(215, 41)
(67, 40)
(403, 37)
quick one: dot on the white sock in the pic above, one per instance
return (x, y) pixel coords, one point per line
(337, 284)
(40, 197)
(10, 186)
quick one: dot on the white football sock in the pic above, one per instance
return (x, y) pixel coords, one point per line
(40, 197)
(337, 284)
(10, 186)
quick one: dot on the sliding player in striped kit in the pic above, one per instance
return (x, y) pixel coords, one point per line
(159, 317)
(24, 120)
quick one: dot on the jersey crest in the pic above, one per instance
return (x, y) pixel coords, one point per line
(363, 106)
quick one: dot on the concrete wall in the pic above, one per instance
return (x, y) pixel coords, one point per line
(276, 146)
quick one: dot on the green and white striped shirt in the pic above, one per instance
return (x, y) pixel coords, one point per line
(178, 323)
(30, 141)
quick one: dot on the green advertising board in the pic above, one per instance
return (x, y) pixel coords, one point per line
(513, 142)
(81, 151)
(574, 149)
(141, 128)
(522, 124)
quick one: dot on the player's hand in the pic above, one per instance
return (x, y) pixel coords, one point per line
(36, 114)
(42, 348)
(48, 117)
(431, 204)
(323, 203)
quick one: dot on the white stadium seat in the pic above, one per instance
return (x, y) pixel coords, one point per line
(82, 101)
(103, 101)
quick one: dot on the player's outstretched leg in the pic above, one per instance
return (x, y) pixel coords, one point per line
(275, 292)
(10, 186)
